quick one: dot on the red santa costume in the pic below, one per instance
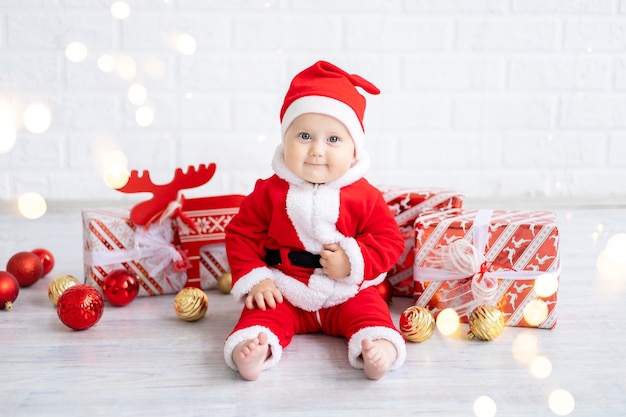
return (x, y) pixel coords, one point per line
(288, 218)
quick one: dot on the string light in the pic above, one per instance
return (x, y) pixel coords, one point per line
(125, 67)
(120, 10)
(137, 94)
(106, 63)
(535, 312)
(541, 367)
(37, 118)
(525, 347)
(185, 44)
(116, 176)
(447, 321)
(144, 116)
(76, 52)
(484, 406)
(561, 402)
(546, 285)
(32, 205)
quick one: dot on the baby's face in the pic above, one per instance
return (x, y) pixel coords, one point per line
(318, 148)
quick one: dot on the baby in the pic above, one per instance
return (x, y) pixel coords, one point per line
(311, 242)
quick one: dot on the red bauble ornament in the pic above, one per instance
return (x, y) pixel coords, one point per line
(80, 306)
(9, 289)
(26, 267)
(386, 290)
(120, 287)
(47, 260)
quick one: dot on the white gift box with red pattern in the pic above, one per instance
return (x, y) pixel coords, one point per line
(112, 241)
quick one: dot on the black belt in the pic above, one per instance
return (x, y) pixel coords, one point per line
(295, 258)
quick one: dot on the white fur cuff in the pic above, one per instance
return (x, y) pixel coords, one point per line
(373, 333)
(251, 333)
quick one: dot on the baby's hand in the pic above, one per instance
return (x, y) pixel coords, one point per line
(335, 262)
(264, 294)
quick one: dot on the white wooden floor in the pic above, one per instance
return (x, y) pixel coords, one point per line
(142, 360)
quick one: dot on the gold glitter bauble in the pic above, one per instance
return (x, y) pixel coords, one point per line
(225, 283)
(486, 323)
(191, 304)
(417, 324)
(58, 285)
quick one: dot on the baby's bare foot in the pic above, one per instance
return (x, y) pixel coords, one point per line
(378, 356)
(250, 355)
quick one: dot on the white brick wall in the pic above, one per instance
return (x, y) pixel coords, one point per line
(501, 99)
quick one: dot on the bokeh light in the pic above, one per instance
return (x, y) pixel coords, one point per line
(154, 68)
(37, 118)
(484, 406)
(611, 267)
(540, 367)
(106, 63)
(8, 129)
(447, 321)
(32, 205)
(125, 67)
(616, 246)
(144, 116)
(561, 402)
(185, 44)
(120, 10)
(546, 285)
(525, 347)
(137, 94)
(116, 176)
(535, 312)
(76, 52)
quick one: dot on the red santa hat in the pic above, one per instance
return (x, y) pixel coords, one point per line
(327, 89)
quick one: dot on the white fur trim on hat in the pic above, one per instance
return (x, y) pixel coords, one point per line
(373, 333)
(330, 107)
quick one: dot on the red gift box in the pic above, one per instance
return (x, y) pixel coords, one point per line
(465, 258)
(209, 217)
(406, 205)
(112, 241)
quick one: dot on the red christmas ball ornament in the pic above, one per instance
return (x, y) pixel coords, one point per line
(47, 259)
(9, 289)
(80, 307)
(386, 290)
(120, 287)
(26, 267)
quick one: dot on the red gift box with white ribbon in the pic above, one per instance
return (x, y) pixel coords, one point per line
(506, 258)
(407, 204)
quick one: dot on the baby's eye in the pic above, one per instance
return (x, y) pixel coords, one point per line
(333, 139)
(304, 135)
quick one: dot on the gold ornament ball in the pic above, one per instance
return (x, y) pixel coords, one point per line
(225, 283)
(58, 285)
(417, 324)
(191, 304)
(485, 322)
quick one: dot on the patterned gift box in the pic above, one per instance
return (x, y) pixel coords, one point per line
(406, 205)
(209, 216)
(465, 258)
(213, 264)
(112, 241)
